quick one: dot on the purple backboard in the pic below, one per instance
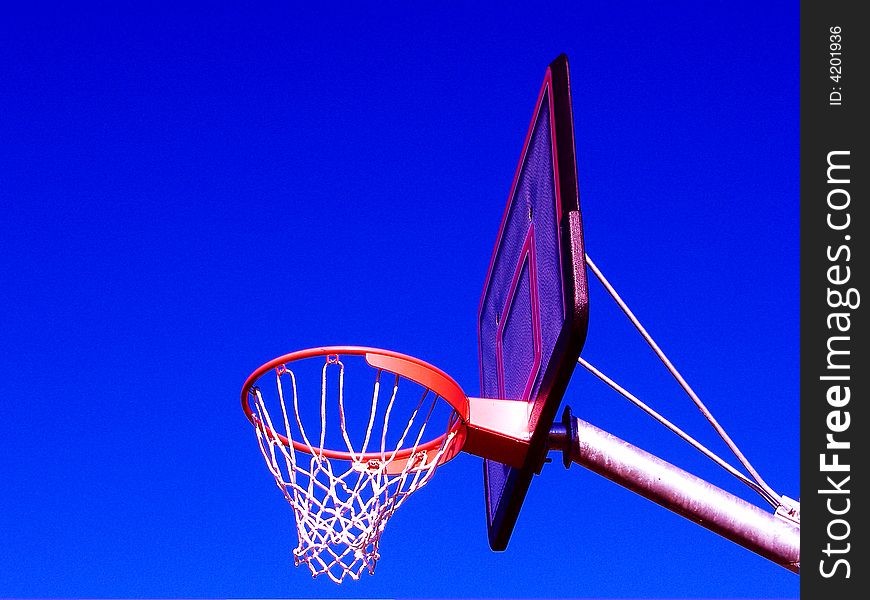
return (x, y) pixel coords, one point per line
(534, 308)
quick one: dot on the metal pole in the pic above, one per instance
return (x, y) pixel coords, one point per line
(677, 490)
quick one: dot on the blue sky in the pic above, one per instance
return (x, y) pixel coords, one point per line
(189, 191)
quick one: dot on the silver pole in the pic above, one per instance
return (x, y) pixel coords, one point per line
(679, 491)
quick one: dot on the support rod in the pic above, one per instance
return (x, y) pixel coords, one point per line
(678, 491)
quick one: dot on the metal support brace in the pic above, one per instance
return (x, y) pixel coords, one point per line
(771, 536)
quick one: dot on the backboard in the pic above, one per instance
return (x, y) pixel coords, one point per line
(534, 308)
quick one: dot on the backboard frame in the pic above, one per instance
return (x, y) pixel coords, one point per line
(549, 373)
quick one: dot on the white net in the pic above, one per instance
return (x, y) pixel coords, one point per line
(342, 500)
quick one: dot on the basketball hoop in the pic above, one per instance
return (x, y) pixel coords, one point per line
(343, 498)
(345, 475)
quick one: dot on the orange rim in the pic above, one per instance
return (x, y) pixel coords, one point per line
(414, 369)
